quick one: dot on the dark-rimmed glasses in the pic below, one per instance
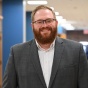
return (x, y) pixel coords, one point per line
(47, 21)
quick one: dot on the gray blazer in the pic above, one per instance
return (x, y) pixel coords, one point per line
(69, 70)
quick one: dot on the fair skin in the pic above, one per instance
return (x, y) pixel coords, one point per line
(42, 15)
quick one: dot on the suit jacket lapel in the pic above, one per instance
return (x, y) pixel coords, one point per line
(35, 59)
(57, 57)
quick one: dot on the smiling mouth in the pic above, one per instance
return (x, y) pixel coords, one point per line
(45, 30)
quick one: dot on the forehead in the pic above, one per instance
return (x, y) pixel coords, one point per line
(43, 14)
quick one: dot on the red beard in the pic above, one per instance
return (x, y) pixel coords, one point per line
(45, 35)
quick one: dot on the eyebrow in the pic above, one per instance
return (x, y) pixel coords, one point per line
(44, 19)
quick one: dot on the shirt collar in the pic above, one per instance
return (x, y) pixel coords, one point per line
(40, 48)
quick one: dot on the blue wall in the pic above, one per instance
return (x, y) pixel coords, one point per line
(12, 28)
(29, 32)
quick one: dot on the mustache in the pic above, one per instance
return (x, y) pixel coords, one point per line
(45, 28)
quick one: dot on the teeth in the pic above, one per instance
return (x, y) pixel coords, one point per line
(45, 30)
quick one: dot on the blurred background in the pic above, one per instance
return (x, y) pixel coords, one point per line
(15, 23)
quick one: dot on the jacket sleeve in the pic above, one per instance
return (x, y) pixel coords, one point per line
(83, 69)
(10, 78)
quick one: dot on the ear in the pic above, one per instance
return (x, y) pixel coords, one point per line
(32, 25)
(57, 22)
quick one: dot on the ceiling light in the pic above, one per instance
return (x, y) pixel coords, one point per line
(59, 17)
(56, 13)
(68, 26)
(36, 2)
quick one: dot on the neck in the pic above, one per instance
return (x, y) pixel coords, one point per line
(45, 46)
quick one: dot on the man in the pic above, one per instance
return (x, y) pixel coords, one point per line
(46, 61)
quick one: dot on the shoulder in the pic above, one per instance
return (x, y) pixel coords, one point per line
(70, 44)
(22, 46)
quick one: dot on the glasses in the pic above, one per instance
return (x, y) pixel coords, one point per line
(47, 21)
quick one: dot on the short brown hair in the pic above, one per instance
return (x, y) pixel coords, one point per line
(38, 8)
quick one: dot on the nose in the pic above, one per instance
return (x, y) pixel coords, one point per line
(44, 21)
(44, 24)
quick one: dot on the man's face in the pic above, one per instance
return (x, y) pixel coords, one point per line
(44, 31)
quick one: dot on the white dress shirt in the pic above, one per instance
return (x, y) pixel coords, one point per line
(46, 60)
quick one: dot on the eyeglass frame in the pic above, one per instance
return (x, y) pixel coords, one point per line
(47, 21)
